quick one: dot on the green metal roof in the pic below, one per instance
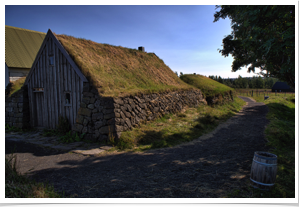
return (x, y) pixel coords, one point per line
(21, 46)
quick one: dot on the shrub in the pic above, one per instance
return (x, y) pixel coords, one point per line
(63, 125)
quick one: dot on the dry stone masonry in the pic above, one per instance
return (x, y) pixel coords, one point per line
(17, 109)
(101, 117)
(220, 98)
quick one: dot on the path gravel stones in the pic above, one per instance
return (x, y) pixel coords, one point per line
(210, 166)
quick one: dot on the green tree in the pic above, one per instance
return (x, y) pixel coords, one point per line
(260, 82)
(269, 82)
(262, 37)
(250, 85)
(212, 77)
(220, 80)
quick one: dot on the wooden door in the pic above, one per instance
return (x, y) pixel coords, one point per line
(39, 116)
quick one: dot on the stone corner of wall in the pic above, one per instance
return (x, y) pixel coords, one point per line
(101, 118)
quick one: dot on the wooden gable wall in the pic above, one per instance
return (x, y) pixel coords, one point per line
(48, 86)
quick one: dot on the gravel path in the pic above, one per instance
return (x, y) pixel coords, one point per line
(209, 166)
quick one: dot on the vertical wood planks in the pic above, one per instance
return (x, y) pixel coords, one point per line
(51, 69)
(49, 95)
(40, 97)
(33, 100)
(43, 79)
(54, 68)
(57, 80)
(78, 97)
(39, 109)
(73, 91)
(263, 170)
(30, 103)
(61, 84)
(66, 108)
(69, 77)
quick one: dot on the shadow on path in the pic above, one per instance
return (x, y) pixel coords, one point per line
(207, 167)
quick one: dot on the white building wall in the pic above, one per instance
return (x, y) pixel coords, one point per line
(16, 73)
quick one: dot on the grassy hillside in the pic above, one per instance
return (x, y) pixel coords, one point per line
(119, 71)
(280, 134)
(15, 86)
(20, 186)
(208, 86)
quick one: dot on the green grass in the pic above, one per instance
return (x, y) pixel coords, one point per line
(16, 85)
(20, 186)
(173, 129)
(63, 131)
(16, 129)
(280, 133)
(208, 86)
(12, 128)
(119, 71)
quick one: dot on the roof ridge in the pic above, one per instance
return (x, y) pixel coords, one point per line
(24, 29)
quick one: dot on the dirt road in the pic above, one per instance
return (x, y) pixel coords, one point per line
(210, 166)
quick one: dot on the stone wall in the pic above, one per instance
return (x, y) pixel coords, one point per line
(220, 98)
(99, 117)
(17, 109)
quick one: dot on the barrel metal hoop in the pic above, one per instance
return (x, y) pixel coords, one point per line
(274, 157)
(261, 183)
(262, 163)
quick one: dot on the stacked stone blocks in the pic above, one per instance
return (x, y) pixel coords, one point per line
(100, 117)
(17, 109)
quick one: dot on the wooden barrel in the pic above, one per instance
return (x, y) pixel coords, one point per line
(263, 170)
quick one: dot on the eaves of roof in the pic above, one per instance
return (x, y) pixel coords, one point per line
(280, 85)
(21, 46)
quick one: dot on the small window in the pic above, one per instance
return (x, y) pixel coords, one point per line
(67, 98)
(51, 60)
(38, 89)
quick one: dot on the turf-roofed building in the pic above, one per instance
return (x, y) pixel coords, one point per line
(101, 89)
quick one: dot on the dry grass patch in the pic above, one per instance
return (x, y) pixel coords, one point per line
(173, 129)
(16, 85)
(280, 134)
(19, 186)
(208, 86)
(119, 71)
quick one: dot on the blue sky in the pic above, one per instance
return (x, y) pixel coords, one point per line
(184, 37)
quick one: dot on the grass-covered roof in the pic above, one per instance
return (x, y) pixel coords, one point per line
(119, 71)
(208, 86)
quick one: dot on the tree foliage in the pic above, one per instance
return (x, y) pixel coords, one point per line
(255, 82)
(262, 37)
